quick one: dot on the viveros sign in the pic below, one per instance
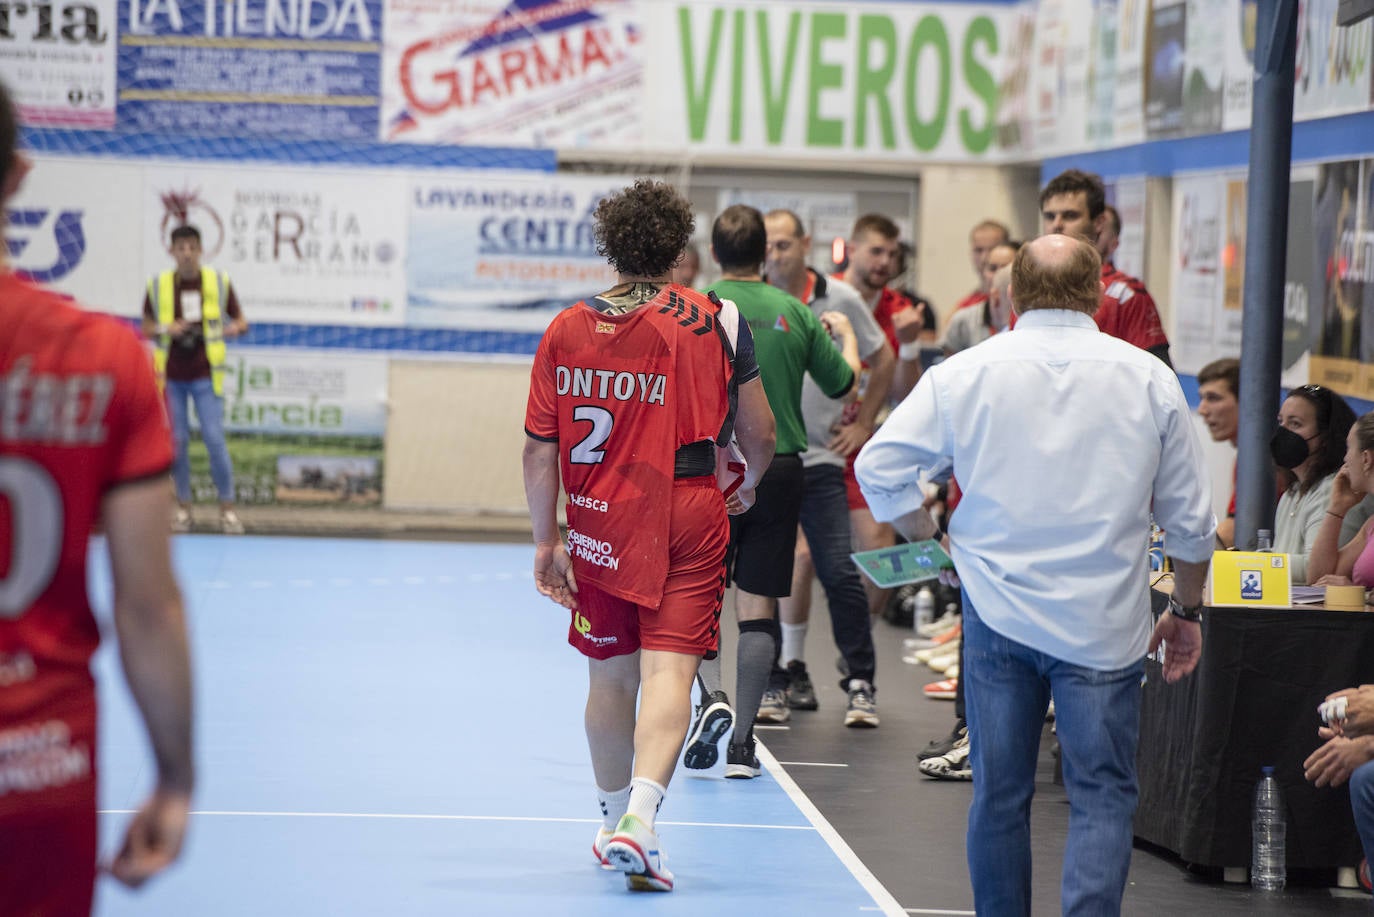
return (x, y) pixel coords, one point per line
(826, 79)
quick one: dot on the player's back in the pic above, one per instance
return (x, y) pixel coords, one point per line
(79, 414)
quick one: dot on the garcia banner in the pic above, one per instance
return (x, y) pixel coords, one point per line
(552, 73)
(825, 80)
(281, 68)
(299, 245)
(318, 393)
(58, 61)
(503, 251)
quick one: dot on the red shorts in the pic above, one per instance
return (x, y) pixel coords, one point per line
(851, 485)
(47, 811)
(688, 619)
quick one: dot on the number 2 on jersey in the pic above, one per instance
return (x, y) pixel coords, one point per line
(588, 449)
(35, 536)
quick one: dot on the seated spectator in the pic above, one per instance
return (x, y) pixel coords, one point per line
(1348, 754)
(1311, 443)
(1353, 561)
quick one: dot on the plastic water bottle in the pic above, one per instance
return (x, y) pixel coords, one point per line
(925, 606)
(1267, 835)
(1264, 540)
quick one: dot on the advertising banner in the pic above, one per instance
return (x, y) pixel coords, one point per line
(1332, 70)
(70, 225)
(1166, 65)
(549, 73)
(1298, 290)
(825, 80)
(299, 245)
(1198, 324)
(492, 251)
(282, 68)
(1014, 129)
(1063, 38)
(320, 393)
(1132, 18)
(1207, 28)
(1127, 195)
(1239, 35)
(58, 61)
(1343, 277)
(1102, 73)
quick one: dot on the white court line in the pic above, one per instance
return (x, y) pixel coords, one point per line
(423, 817)
(775, 726)
(881, 896)
(927, 910)
(810, 764)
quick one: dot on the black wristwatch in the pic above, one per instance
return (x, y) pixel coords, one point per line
(1189, 613)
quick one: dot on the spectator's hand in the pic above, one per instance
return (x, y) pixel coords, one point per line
(1182, 646)
(153, 840)
(1332, 579)
(1359, 711)
(909, 322)
(949, 576)
(739, 501)
(553, 575)
(836, 323)
(1335, 761)
(1344, 496)
(850, 438)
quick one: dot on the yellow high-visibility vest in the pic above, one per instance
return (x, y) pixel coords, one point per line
(214, 287)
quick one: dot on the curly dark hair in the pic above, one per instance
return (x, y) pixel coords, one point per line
(643, 229)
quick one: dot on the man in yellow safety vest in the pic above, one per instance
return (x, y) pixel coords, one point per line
(188, 313)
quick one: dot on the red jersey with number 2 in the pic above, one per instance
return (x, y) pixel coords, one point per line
(620, 394)
(80, 414)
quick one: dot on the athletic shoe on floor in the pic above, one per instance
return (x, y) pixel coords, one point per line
(941, 663)
(936, 627)
(952, 672)
(230, 523)
(801, 693)
(713, 722)
(634, 850)
(935, 639)
(181, 520)
(952, 765)
(603, 837)
(773, 707)
(941, 690)
(939, 747)
(863, 710)
(740, 761)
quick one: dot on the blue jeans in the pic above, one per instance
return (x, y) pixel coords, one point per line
(1362, 805)
(825, 522)
(210, 412)
(1098, 721)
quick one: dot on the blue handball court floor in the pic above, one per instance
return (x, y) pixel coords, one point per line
(395, 728)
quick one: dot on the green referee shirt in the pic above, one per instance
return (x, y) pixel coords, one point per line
(789, 341)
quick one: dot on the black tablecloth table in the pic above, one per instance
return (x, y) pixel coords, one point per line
(1251, 702)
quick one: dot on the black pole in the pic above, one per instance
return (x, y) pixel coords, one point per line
(1266, 237)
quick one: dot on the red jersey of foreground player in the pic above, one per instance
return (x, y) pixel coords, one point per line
(619, 486)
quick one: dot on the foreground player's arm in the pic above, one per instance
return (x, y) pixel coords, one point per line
(755, 430)
(151, 625)
(553, 575)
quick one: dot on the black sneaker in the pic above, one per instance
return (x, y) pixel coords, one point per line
(801, 693)
(714, 719)
(740, 762)
(940, 747)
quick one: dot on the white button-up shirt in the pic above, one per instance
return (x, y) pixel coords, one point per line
(1062, 439)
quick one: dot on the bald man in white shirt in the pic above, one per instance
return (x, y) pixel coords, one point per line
(1062, 438)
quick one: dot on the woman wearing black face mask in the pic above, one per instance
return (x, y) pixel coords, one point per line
(1310, 443)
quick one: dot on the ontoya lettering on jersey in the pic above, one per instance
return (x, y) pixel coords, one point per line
(583, 382)
(41, 756)
(267, 18)
(45, 408)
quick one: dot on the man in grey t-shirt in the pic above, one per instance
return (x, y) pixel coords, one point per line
(824, 543)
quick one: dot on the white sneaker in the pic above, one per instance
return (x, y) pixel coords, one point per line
(937, 627)
(942, 663)
(603, 837)
(230, 523)
(181, 520)
(863, 709)
(952, 765)
(635, 851)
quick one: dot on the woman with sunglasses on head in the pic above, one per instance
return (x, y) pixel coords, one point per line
(1331, 563)
(1310, 443)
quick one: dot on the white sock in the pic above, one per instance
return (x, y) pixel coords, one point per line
(613, 805)
(793, 642)
(645, 798)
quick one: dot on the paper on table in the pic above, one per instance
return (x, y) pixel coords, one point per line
(1308, 595)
